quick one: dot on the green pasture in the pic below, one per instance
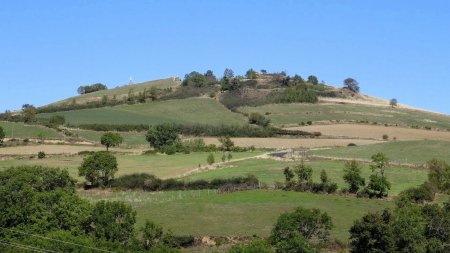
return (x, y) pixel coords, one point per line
(412, 152)
(21, 130)
(296, 113)
(182, 111)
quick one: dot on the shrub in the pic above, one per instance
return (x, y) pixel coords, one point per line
(41, 155)
(210, 159)
(385, 137)
(258, 119)
(351, 144)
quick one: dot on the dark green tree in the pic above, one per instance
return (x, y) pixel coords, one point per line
(28, 113)
(313, 79)
(251, 74)
(288, 174)
(352, 176)
(228, 73)
(98, 168)
(151, 234)
(227, 143)
(194, 79)
(372, 234)
(311, 224)
(210, 77)
(439, 175)
(162, 135)
(111, 139)
(351, 84)
(112, 221)
(393, 102)
(304, 172)
(2, 135)
(210, 159)
(380, 163)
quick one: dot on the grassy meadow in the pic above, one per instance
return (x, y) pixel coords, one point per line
(271, 171)
(163, 166)
(183, 111)
(291, 114)
(413, 152)
(237, 214)
(130, 139)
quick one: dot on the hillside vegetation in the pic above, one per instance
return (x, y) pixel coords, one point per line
(120, 92)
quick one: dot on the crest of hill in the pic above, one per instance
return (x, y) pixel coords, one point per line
(121, 91)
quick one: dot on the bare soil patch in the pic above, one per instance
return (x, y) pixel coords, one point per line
(374, 132)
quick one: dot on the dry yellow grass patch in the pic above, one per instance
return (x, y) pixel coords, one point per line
(375, 132)
(282, 143)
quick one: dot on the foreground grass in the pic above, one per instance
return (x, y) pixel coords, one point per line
(182, 111)
(238, 214)
(20, 130)
(163, 166)
(297, 113)
(416, 152)
(270, 171)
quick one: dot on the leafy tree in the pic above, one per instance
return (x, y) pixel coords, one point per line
(229, 156)
(294, 243)
(351, 84)
(311, 224)
(352, 176)
(151, 234)
(304, 172)
(91, 88)
(231, 84)
(228, 73)
(111, 139)
(112, 221)
(258, 119)
(194, 79)
(313, 79)
(210, 77)
(378, 186)
(263, 71)
(323, 177)
(393, 102)
(288, 174)
(98, 168)
(2, 135)
(162, 135)
(210, 159)
(439, 175)
(408, 226)
(227, 143)
(251, 74)
(298, 79)
(372, 234)
(28, 112)
(381, 162)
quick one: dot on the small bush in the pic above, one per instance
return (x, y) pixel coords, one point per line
(351, 144)
(210, 159)
(41, 155)
(385, 137)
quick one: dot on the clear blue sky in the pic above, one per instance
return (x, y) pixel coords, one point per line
(395, 49)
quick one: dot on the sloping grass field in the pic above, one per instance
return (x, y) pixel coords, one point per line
(413, 152)
(237, 214)
(183, 111)
(20, 130)
(285, 114)
(121, 91)
(130, 139)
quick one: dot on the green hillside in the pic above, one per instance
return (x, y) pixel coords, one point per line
(120, 92)
(20, 130)
(183, 111)
(297, 113)
(417, 152)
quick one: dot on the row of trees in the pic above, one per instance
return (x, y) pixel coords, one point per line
(91, 88)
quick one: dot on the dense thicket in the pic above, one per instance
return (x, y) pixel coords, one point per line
(91, 88)
(39, 208)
